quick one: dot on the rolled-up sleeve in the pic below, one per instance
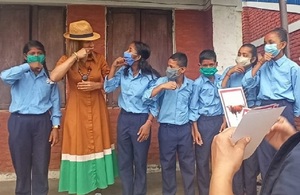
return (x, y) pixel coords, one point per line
(112, 84)
(147, 94)
(15, 73)
(250, 82)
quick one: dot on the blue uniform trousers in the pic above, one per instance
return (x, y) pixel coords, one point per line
(30, 151)
(266, 152)
(244, 181)
(176, 139)
(208, 126)
(132, 155)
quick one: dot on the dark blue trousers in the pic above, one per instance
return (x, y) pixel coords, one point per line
(30, 152)
(176, 139)
(208, 126)
(244, 181)
(265, 151)
(132, 155)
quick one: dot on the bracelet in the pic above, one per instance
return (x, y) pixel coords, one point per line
(55, 127)
(76, 55)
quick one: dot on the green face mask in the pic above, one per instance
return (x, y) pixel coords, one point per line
(208, 72)
(33, 58)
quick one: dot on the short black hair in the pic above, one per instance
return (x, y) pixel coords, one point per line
(253, 51)
(207, 54)
(180, 58)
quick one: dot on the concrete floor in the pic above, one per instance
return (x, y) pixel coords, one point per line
(154, 186)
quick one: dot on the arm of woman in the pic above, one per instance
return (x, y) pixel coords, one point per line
(60, 71)
(227, 158)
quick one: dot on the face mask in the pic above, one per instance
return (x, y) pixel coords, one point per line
(33, 58)
(128, 58)
(244, 61)
(208, 72)
(172, 73)
(272, 49)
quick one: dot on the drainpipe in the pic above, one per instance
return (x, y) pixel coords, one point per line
(284, 23)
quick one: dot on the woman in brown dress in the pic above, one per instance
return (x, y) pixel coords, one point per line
(88, 155)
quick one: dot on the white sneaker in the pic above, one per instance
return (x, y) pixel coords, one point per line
(98, 193)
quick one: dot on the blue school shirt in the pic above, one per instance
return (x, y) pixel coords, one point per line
(205, 98)
(132, 90)
(31, 94)
(174, 104)
(278, 80)
(235, 80)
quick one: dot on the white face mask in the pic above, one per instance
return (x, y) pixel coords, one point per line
(244, 61)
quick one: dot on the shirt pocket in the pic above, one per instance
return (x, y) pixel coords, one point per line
(44, 91)
(282, 80)
(207, 96)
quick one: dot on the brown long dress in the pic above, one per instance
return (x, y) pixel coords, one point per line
(88, 154)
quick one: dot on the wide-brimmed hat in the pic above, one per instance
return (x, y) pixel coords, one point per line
(81, 31)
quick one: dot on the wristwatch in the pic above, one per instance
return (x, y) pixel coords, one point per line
(55, 127)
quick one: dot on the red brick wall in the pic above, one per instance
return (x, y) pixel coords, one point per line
(257, 22)
(193, 33)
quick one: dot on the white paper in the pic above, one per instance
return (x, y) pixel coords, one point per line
(256, 124)
(233, 101)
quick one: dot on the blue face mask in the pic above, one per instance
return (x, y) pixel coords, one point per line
(128, 58)
(272, 49)
(33, 58)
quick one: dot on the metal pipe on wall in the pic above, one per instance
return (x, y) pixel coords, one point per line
(284, 22)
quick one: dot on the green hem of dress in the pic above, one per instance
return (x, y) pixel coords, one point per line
(84, 177)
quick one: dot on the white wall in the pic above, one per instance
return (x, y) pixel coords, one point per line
(227, 31)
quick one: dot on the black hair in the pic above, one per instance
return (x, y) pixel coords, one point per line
(38, 45)
(282, 34)
(144, 51)
(253, 51)
(180, 58)
(207, 54)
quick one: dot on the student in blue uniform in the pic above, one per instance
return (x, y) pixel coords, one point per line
(175, 133)
(244, 181)
(134, 75)
(34, 120)
(206, 115)
(279, 81)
